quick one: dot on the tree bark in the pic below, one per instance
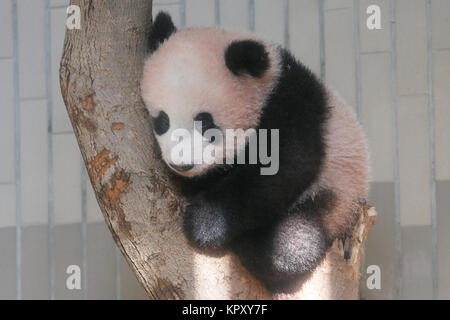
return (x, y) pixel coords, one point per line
(100, 74)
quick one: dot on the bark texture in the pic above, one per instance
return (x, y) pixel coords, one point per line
(100, 74)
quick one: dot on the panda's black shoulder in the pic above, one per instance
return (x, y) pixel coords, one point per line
(299, 99)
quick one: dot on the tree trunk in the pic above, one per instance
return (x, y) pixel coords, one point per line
(100, 74)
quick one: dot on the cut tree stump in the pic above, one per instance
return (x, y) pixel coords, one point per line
(100, 74)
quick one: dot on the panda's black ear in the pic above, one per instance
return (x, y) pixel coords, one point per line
(161, 30)
(247, 56)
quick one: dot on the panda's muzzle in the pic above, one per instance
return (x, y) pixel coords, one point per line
(181, 168)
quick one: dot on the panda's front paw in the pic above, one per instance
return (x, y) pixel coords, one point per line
(205, 224)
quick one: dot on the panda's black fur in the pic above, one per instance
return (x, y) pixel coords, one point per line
(258, 216)
(253, 205)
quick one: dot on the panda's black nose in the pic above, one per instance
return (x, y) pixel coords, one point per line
(181, 168)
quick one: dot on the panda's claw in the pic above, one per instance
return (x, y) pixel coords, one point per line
(347, 245)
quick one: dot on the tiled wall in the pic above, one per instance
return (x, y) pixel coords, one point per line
(396, 78)
(49, 218)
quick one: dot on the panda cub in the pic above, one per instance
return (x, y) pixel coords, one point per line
(279, 225)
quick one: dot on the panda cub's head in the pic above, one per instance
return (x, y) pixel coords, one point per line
(220, 78)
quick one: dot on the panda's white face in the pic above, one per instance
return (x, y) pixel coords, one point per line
(183, 140)
(187, 80)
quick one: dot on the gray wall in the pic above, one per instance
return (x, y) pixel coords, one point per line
(397, 79)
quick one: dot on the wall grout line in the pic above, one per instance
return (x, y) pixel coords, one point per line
(84, 182)
(217, 12)
(50, 196)
(32, 99)
(165, 4)
(287, 35)
(251, 15)
(322, 40)
(432, 155)
(414, 94)
(336, 9)
(364, 53)
(357, 34)
(17, 145)
(65, 6)
(183, 13)
(63, 133)
(442, 49)
(398, 239)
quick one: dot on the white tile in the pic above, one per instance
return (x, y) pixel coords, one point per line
(58, 3)
(34, 162)
(411, 47)
(417, 282)
(6, 122)
(60, 118)
(340, 53)
(200, 13)
(101, 256)
(234, 15)
(35, 263)
(130, 287)
(337, 4)
(173, 10)
(269, 20)
(31, 20)
(442, 116)
(93, 210)
(66, 179)
(414, 161)
(6, 37)
(7, 205)
(304, 32)
(440, 17)
(8, 264)
(377, 113)
(443, 237)
(68, 251)
(375, 40)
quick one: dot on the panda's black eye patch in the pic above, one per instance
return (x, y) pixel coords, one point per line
(207, 121)
(161, 123)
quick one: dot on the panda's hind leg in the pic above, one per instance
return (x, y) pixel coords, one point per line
(280, 254)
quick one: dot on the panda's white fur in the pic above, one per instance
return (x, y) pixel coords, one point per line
(278, 226)
(345, 168)
(189, 64)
